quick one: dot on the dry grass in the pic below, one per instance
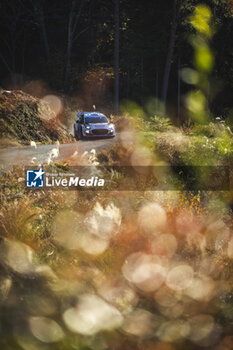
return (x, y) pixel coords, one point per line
(16, 219)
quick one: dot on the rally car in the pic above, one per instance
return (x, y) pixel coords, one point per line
(93, 124)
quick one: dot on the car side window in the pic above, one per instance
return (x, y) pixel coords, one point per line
(81, 118)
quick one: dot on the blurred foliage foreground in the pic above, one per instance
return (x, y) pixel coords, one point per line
(114, 270)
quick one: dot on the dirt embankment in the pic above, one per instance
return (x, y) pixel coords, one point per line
(24, 118)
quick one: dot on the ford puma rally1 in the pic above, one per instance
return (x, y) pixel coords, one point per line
(93, 124)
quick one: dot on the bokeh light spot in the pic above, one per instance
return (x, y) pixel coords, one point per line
(180, 277)
(45, 329)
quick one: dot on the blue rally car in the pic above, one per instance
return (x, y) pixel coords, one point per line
(93, 124)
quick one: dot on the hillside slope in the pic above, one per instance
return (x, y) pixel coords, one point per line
(24, 118)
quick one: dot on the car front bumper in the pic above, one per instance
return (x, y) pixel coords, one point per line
(98, 133)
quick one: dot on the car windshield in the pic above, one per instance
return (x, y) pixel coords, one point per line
(96, 120)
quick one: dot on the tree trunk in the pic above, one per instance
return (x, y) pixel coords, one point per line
(128, 82)
(43, 31)
(176, 5)
(72, 35)
(156, 90)
(116, 56)
(68, 51)
(39, 13)
(178, 89)
(13, 59)
(23, 63)
(142, 78)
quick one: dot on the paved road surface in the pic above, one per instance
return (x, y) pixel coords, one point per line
(24, 155)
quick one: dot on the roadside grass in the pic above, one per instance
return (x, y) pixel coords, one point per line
(201, 145)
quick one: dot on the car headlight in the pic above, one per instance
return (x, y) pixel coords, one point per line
(88, 127)
(111, 126)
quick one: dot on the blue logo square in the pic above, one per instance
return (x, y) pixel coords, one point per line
(35, 178)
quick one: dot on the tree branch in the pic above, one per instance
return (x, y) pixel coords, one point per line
(77, 17)
(80, 33)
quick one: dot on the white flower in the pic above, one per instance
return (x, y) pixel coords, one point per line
(33, 144)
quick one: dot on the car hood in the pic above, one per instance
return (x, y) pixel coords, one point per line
(98, 125)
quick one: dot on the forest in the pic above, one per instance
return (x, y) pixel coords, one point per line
(104, 52)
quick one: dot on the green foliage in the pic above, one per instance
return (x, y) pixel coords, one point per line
(161, 124)
(142, 119)
(205, 130)
(208, 151)
(209, 144)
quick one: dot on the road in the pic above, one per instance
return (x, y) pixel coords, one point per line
(26, 155)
